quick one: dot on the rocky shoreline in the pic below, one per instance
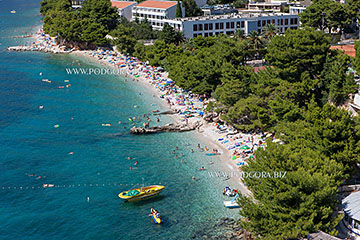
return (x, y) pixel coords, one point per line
(225, 229)
(171, 127)
(36, 49)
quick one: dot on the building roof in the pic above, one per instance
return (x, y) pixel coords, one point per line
(157, 4)
(351, 205)
(235, 16)
(121, 4)
(348, 49)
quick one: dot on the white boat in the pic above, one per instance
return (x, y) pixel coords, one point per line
(232, 203)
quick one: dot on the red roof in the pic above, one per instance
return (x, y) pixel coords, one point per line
(348, 49)
(261, 68)
(157, 4)
(120, 4)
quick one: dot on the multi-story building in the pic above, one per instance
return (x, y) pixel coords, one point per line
(156, 12)
(229, 24)
(274, 6)
(124, 8)
(218, 10)
(296, 9)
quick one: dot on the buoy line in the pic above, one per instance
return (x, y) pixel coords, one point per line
(49, 185)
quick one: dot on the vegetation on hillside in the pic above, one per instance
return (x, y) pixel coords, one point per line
(331, 15)
(84, 28)
(297, 96)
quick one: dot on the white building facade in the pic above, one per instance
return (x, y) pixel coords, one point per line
(124, 8)
(76, 3)
(156, 12)
(229, 24)
(296, 9)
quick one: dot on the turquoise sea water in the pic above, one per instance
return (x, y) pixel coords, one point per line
(29, 144)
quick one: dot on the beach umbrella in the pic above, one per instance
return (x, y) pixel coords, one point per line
(245, 147)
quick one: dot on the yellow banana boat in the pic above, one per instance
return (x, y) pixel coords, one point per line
(155, 216)
(141, 193)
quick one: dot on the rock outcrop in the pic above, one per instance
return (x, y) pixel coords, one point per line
(224, 229)
(171, 127)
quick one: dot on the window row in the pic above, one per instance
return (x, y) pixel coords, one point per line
(210, 26)
(281, 30)
(293, 21)
(212, 34)
(149, 9)
(148, 16)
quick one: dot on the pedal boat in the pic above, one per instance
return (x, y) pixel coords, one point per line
(156, 216)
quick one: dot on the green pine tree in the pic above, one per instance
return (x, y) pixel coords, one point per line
(178, 10)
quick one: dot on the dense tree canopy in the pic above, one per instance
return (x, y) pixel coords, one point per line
(100, 11)
(328, 14)
(319, 153)
(299, 51)
(192, 71)
(336, 83)
(87, 27)
(170, 36)
(191, 9)
(357, 55)
(47, 5)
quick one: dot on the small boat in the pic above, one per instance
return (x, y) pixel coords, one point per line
(155, 216)
(13, 11)
(232, 203)
(141, 193)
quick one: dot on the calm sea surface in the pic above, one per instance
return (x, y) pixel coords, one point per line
(31, 145)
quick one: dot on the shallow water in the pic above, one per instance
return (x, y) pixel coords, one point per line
(30, 144)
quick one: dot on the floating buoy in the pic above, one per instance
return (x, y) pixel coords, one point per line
(13, 11)
(135, 106)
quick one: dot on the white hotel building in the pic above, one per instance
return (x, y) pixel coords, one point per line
(124, 8)
(155, 12)
(229, 24)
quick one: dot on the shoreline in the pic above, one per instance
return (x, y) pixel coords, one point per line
(206, 133)
(189, 106)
